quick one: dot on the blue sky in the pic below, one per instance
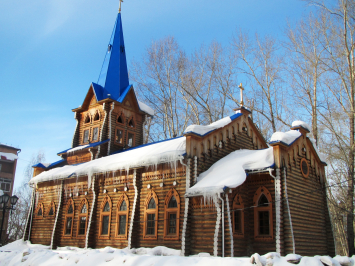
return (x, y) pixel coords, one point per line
(51, 51)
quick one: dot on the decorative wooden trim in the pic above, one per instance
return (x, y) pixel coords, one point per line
(84, 201)
(119, 213)
(133, 140)
(262, 191)
(102, 214)
(39, 208)
(238, 205)
(66, 216)
(51, 205)
(304, 163)
(147, 211)
(116, 137)
(168, 211)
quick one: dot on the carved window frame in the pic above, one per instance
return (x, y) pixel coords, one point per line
(102, 214)
(86, 117)
(97, 113)
(39, 207)
(50, 206)
(168, 211)
(151, 194)
(119, 213)
(122, 118)
(69, 215)
(257, 209)
(80, 215)
(238, 206)
(133, 120)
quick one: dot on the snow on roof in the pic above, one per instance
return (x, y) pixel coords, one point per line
(285, 137)
(299, 123)
(151, 154)
(203, 130)
(8, 156)
(230, 171)
(145, 108)
(90, 145)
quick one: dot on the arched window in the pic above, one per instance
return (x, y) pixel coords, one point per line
(122, 217)
(131, 123)
(105, 218)
(263, 222)
(238, 216)
(51, 210)
(69, 218)
(87, 118)
(39, 211)
(120, 119)
(83, 218)
(97, 116)
(151, 216)
(172, 215)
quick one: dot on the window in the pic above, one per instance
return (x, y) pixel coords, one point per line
(51, 210)
(0, 166)
(5, 184)
(97, 116)
(119, 136)
(39, 211)
(122, 217)
(130, 139)
(151, 216)
(120, 119)
(304, 167)
(105, 218)
(131, 123)
(238, 216)
(83, 218)
(263, 222)
(172, 215)
(69, 218)
(87, 119)
(95, 133)
(86, 136)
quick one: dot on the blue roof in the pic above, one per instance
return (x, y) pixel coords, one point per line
(40, 165)
(113, 77)
(87, 145)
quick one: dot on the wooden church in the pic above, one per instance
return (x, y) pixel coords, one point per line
(219, 188)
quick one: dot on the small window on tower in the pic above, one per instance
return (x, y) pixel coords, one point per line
(97, 116)
(95, 135)
(131, 123)
(130, 137)
(119, 136)
(86, 136)
(120, 120)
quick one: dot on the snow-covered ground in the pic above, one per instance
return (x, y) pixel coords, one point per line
(24, 253)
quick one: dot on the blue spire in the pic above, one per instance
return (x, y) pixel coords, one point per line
(114, 75)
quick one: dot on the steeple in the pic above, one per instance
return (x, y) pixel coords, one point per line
(114, 75)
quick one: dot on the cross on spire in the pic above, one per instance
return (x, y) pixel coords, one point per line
(119, 8)
(241, 94)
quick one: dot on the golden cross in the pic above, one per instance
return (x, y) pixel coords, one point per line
(119, 8)
(241, 94)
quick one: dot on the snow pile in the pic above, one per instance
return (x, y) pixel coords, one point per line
(8, 156)
(202, 130)
(298, 123)
(25, 254)
(78, 148)
(230, 171)
(145, 108)
(168, 151)
(285, 137)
